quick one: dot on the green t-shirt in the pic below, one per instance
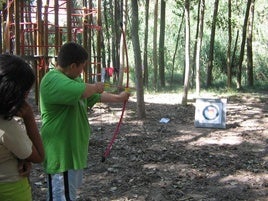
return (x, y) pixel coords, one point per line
(65, 129)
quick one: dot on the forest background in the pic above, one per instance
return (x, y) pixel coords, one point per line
(176, 46)
(189, 45)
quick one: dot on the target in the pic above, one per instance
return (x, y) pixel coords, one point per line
(210, 113)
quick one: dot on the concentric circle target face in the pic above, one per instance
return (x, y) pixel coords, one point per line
(211, 112)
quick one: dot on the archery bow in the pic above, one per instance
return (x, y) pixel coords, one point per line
(117, 129)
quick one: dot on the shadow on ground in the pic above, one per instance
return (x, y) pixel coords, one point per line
(152, 161)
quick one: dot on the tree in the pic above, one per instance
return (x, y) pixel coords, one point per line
(242, 48)
(107, 35)
(233, 60)
(200, 19)
(99, 42)
(122, 51)
(162, 44)
(229, 67)
(155, 53)
(176, 47)
(145, 56)
(211, 49)
(249, 45)
(187, 52)
(115, 17)
(138, 63)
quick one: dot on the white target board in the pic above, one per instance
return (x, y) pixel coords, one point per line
(210, 113)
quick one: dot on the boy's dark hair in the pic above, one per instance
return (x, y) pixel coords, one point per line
(16, 79)
(71, 53)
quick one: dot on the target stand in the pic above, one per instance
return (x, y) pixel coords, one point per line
(210, 113)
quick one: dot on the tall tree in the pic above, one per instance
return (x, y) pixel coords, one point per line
(195, 44)
(249, 45)
(162, 44)
(99, 42)
(233, 60)
(200, 19)
(242, 47)
(113, 37)
(176, 47)
(155, 52)
(211, 48)
(138, 63)
(116, 15)
(145, 55)
(122, 50)
(187, 52)
(90, 42)
(107, 35)
(229, 67)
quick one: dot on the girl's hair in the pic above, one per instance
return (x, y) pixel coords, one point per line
(71, 52)
(16, 79)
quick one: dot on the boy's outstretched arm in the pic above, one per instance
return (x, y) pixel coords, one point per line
(113, 98)
(92, 89)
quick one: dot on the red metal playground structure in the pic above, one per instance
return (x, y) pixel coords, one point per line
(35, 31)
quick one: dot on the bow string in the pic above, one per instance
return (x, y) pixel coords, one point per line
(127, 89)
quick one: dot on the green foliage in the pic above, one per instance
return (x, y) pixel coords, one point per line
(2, 3)
(174, 17)
(261, 71)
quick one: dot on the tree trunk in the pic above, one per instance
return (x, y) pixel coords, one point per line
(108, 39)
(122, 51)
(112, 42)
(195, 44)
(176, 48)
(145, 56)
(242, 49)
(1, 36)
(249, 45)
(211, 49)
(199, 44)
(90, 46)
(116, 37)
(187, 52)
(229, 69)
(29, 37)
(162, 44)
(57, 30)
(99, 42)
(69, 7)
(116, 40)
(138, 62)
(233, 60)
(155, 55)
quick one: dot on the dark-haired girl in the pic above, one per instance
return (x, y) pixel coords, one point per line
(19, 144)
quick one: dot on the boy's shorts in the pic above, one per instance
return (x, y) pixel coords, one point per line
(63, 186)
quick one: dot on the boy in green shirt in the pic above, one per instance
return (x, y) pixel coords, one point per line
(64, 99)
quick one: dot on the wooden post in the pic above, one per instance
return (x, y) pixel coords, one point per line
(99, 43)
(85, 30)
(39, 27)
(39, 42)
(21, 45)
(45, 25)
(56, 7)
(89, 42)
(7, 27)
(1, 43)
(17, 28)
(69, 20)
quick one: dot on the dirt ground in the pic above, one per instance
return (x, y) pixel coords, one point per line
(153, 161)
